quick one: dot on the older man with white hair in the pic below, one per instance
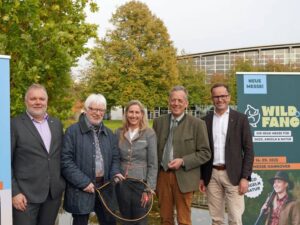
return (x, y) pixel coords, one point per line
(90, 157)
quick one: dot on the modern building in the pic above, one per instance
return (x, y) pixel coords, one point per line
(220, 62)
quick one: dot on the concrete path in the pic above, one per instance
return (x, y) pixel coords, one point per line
(199, 217)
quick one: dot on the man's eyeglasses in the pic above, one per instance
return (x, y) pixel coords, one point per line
(96, 110)
(220, 97)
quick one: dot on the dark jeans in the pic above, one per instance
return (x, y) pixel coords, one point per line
(130, 203)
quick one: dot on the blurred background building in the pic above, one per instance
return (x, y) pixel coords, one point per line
(220, 62)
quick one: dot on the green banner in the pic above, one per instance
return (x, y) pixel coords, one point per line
(272, 103)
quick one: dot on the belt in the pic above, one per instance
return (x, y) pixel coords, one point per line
(219, 167)
(167, 171)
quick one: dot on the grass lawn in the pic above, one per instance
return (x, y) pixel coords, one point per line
(114, 124)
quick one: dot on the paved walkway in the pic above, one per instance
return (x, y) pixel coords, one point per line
(199, 217)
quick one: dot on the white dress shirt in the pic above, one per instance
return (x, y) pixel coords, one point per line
(132, 133)
(220, 125)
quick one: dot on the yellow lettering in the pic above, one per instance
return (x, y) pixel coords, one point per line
(265, 121)
(284, 121)
(274, 122)
(295, 122)
(292, 110)
(282, 111)
(268, 111)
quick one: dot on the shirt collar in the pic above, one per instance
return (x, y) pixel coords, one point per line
(179, 118)
(282, 199)
(226, 112)
(46, 117)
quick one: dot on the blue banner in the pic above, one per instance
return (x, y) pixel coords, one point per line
(5, 155)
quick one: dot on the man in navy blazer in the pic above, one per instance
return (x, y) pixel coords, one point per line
(36, 141)
(226, 175)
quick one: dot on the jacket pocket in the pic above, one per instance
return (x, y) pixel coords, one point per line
(189, 144)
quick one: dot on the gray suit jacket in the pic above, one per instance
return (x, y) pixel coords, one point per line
(35, 172)
(190, 142)
(239, 153)
(139, 156)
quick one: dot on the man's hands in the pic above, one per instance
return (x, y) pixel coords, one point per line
(90, 188)
(119, 177)
(175, 164)
(19, 201)
(243, 186)
(202, 187)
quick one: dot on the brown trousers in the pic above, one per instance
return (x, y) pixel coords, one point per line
(169, 196)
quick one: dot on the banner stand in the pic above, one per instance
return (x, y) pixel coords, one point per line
(5, 155)
(271, 102)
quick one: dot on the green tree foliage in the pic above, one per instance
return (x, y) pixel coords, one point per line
(44, 39)
(240, 66)
(194, 81)
(135, 60)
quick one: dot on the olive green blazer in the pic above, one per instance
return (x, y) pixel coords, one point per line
(190, 142)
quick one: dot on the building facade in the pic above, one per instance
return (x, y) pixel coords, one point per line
(220, 62)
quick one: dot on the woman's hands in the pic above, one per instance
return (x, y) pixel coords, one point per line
(146, 197)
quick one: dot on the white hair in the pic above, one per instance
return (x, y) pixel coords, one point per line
(35, 87)
(95, 98)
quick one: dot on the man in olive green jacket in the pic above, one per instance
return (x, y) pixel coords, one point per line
(179, 176)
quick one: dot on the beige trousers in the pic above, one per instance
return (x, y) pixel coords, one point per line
(221, 192)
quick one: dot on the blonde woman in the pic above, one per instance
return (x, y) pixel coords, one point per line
(138, 152)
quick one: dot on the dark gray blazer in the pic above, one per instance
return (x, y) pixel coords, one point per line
(35, 172)
(239, 153)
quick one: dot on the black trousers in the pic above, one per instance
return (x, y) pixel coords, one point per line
(44, 213)
(130, 202)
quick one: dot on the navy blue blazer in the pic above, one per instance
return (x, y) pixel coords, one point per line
(78, 164)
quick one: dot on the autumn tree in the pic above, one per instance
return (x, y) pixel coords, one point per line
(193, 80)
(136, 59)
(241, 65)
(44, 40)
